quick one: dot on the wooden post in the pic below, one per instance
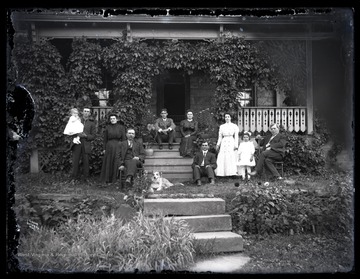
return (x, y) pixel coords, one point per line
(34, 161)
(128, 32)
(309, 85)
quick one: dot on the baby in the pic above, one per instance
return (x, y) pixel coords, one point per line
(74, 126)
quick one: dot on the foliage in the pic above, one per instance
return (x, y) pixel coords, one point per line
(139, 191)
(304, 153)
(96, 156)
(109, 245)
(84, 74)
(274, 209)
(206, 122)
(146, 128)
(231, 63)
(47, 84)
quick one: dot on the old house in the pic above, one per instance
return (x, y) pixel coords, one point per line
(313, 47)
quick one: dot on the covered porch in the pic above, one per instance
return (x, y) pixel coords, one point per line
(259, 119)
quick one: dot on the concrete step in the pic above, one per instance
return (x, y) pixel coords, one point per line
(218, 242)
(184, 207)
(207, 223)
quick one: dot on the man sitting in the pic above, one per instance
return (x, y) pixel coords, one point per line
(204, 164)
(165, 129)
(273, 146)
(130, 156)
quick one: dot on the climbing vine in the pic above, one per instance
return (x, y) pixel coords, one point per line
(232, 64)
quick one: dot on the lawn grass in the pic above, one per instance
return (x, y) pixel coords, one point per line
(298, 253)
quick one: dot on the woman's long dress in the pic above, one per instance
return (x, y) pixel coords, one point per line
(187, 143)
(227, 156)
(113, 135)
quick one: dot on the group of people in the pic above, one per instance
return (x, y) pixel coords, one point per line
(235, 159)
(121, 152)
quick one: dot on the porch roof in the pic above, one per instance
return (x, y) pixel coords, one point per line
(99, 24)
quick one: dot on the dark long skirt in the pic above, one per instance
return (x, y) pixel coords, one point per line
(187, 146)
(109, 166)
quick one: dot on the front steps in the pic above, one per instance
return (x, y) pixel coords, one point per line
(206, 217)
(173, 166)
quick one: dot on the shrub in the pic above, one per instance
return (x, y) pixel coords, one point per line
(275, 209)
(110, 245)
(304, 154)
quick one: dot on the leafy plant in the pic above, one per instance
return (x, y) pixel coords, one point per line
(109, 245)
(274, 209)
(139, 191)
(304, 153)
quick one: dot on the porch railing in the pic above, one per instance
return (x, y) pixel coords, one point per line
(259, 118)
(99, 112)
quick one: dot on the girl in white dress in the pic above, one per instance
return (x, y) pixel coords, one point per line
(74, 126)
(227, 146)
(246, 152)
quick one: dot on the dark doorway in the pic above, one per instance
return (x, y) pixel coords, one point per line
(174, 101)
(173, 94)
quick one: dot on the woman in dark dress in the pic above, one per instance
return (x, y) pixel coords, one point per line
(114, 134)
(188, 130)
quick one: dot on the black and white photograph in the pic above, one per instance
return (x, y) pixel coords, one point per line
(152, 140)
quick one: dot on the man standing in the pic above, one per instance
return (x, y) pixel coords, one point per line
(204, 164)
(83, 150)
(165, 129)
(130, 156)
(273, 146)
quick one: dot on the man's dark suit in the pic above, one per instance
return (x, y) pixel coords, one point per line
(84, 149)
(209, 160)
(131, 165)
(276, 153)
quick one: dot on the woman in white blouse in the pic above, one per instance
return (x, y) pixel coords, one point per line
(227, 146)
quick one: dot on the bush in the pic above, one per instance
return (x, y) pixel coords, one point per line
(110, 245)
(274, 209)
(304, 154)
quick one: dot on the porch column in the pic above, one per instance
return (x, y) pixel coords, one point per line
(34, 161)
(309, 85)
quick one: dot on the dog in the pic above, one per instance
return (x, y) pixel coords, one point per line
(158, 182)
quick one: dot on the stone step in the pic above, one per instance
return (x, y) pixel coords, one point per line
(172, 175)
(178, 176)
(184, 207)
(207, 223)
(175, 145)
(172, 161)
(218, 242)
(166, 154)
(168, 168)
